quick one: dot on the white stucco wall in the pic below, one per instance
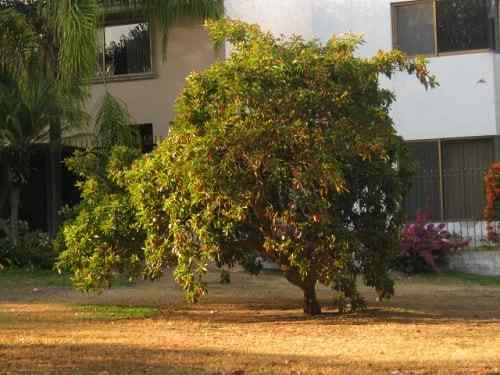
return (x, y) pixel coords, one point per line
(496, 70)
(463, 106)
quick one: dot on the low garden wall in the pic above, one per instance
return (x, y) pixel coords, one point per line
(479, 262)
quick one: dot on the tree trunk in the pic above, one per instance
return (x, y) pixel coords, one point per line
(54, 193)
(308, 286)
(4, 188)
(311, 304)
(15, 194)
(4, 195)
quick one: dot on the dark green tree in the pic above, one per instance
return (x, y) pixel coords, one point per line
(26, 111)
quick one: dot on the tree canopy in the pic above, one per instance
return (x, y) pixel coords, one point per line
(284, 152)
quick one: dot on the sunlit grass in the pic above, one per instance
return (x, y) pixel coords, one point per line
(109, 312)
(4, 317)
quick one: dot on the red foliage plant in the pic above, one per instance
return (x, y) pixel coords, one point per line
(492, 187)
(429, 241)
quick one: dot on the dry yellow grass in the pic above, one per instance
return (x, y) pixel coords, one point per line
(252, 326)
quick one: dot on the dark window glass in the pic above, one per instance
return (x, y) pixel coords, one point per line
(146, 135)
(464, 165)
(463, 25)
(415, 28)
(125, 49)
(424, 195)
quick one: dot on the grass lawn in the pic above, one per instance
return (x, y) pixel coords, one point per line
(448, 324)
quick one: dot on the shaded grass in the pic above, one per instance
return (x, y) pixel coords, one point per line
(46, 278)
(474, 279)
(452, 278)
(35, 277)
(110, 312)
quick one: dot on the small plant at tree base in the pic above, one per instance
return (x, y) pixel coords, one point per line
(285, 150)
(424, 245)
(225, 277)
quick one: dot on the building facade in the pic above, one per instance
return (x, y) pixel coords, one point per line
(452, 131)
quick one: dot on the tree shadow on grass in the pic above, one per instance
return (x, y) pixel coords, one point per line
(247, 312)
(255, 313)
(122, 359)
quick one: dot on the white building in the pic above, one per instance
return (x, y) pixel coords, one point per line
(452, 130)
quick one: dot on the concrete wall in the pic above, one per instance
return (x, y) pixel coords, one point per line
(463, 106)
(485, 263)
(151, 100)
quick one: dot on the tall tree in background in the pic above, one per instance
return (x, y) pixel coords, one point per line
(18, 47)
(30, 104)
(66, 32)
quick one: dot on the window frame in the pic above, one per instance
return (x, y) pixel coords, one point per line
(120, 20)
(440, 143)
(395, 33)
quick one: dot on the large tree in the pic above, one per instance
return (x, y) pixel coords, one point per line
(284, 151)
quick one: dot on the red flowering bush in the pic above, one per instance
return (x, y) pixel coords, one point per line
(424, 245)
(492, 187)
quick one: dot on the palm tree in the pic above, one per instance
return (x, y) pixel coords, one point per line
(27, 109)
(66, 47)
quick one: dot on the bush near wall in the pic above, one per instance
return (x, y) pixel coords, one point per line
(424, 246)
(492, 190)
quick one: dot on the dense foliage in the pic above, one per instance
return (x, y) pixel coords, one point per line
(285, 150)
(424, 245)
(29, 104)
(37, 104)
(492, 187)
(33, 249)
(98, 232)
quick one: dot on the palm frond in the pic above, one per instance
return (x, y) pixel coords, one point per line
(167, 12)
(76, 22)
(114, 126)
(84, 140)
(18, 41)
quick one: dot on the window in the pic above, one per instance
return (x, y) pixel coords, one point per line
(462, 25)
(432, 27)
(415, 28)
(448, 183)
(146, 137)
(124, 49)
(464, 164)
(424, 195)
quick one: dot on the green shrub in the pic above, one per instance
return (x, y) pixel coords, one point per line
(34, 249)
(100, 238)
